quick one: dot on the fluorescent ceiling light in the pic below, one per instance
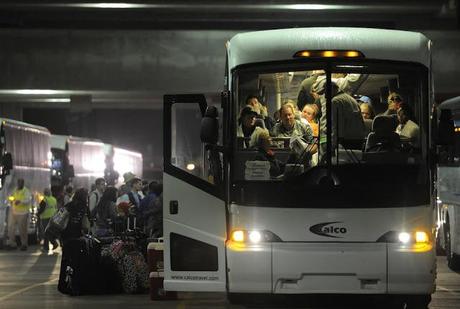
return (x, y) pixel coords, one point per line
(38, 91)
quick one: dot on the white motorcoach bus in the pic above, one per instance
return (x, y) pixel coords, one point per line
(355, 218)
(448, 182)
(76, 160)
(25, 153)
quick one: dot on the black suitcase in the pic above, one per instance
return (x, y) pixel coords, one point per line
(80, 267)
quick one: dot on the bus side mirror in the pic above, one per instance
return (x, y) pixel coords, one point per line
(209, 133)
(7, 162)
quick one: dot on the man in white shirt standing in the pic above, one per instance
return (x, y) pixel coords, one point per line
(95, 196)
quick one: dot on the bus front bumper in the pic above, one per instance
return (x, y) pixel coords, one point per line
(330, 268)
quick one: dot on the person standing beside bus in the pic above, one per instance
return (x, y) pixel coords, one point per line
(19, 214)
(95, 195)
(46, 209)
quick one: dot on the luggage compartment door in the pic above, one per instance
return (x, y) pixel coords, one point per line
(194, 210)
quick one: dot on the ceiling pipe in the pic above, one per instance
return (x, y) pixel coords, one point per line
(228, 14)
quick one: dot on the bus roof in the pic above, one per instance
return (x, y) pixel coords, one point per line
(282, 44)
(25, 125)
(59, 141)
(452, 104)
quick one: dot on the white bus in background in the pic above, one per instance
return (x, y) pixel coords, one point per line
(120, 161)
(76, 160)
(358, 222)
(448, 191)
(24, 149)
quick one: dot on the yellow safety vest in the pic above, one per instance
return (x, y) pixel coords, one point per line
(21, 195)
(50, 208)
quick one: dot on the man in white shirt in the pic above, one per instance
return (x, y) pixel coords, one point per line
(95, 196)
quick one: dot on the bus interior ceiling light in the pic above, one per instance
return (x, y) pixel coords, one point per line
(328, 54)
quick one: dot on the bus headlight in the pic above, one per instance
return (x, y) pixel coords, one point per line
(253, 236)
(418, 237)
(404, 237)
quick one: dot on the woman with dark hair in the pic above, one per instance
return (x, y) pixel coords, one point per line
(70, 281)
(105, 211)
(78, 216)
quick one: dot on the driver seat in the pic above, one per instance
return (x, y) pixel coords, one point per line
(383, 137)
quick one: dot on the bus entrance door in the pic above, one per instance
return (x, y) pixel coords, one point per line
(193, 206)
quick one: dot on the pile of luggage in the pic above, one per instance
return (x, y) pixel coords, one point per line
(106, 265)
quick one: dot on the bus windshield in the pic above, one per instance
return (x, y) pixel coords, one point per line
(357, 129)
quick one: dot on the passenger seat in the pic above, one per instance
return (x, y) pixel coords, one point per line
(383, 137)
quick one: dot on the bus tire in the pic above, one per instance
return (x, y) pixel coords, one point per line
(418, 301)
(453, 260)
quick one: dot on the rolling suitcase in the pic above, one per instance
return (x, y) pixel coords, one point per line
(80, 267)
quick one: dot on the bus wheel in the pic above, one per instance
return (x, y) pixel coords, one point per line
(453, 260)
(418, 301)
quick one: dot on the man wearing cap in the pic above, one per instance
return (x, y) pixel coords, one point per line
(246, 121)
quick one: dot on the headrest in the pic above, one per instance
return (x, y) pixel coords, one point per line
(383, 125)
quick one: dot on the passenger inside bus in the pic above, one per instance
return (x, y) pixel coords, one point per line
(310, 113)
(346, 116)
(368, 115)
(394, 102)
(289, 126)
(407, 129)
(305, 95)
(261, 110)
(261, 141)
(357, 136)
(246, 123)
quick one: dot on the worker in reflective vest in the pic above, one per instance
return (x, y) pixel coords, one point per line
(21, 203)
(46, 209)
